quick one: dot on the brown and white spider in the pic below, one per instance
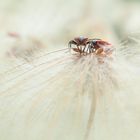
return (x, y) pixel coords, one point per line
(86, 46)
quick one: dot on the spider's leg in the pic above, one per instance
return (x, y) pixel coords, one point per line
(70, 44)
(78, 47)
(89, 49)
(84, 48)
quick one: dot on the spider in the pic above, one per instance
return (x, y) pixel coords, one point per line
(87, 46)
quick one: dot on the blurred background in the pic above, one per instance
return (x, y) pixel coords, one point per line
(53, 23)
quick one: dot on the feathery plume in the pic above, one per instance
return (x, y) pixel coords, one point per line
(64, 96)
